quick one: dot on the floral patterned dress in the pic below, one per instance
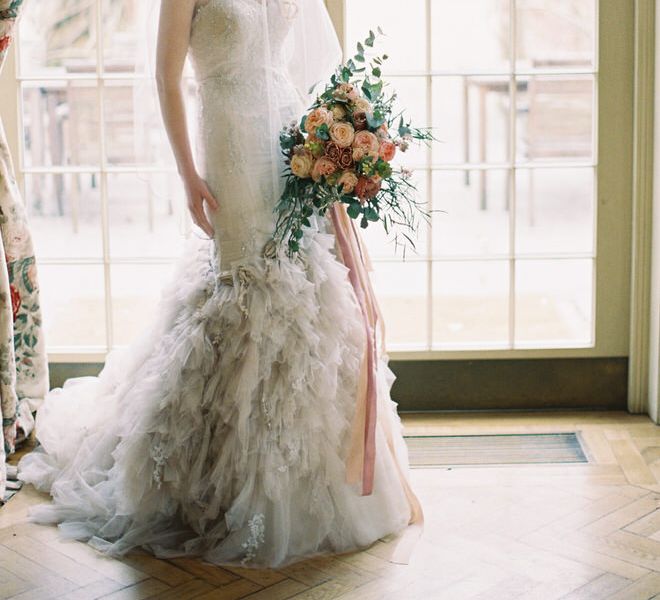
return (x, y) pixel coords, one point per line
(23, 362)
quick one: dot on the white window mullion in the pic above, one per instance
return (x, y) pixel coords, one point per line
(105, 234)
(512, 172)
(429, 185)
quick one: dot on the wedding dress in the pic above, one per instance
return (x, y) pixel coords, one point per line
(222, 430)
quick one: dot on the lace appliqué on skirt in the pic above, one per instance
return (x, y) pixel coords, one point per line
(255, 537)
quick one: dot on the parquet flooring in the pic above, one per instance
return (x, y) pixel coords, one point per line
(534, 531)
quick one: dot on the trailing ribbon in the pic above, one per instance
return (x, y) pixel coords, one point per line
(362, 451)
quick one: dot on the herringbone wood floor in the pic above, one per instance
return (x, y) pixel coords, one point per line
(574, 531)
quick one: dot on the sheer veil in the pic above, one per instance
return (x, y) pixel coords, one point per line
(309, 52)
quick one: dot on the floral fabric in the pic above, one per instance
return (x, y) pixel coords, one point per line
(23, 363)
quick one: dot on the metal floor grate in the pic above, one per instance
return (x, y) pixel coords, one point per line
(496, 449)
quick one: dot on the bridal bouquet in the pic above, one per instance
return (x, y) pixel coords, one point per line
(342, 151)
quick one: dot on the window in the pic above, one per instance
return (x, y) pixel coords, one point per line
(510, 88)
(519, 92)
(106, 226)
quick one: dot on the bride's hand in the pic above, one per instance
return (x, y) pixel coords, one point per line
(197, 193)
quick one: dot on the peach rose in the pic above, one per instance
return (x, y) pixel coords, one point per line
(363, 105)
(358, 154)
(322, 168)
(301, 163)
(348, 180)
(387, 150)
(316, 118)
(346, 91)
(338, 112)
(367, 142)
(342, 134)
(382, 132)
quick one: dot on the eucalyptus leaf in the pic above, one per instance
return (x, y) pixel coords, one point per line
(354, 209)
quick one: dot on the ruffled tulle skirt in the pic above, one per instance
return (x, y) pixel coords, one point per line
(222, 431)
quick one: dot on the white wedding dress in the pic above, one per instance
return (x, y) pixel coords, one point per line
(222, 430)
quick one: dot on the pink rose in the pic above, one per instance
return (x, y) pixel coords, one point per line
(342, 134)
(348, 180)
(363, 105)
(322, 168)
(367, 142)
(346, 91)
(319, 116)
(382, 132)
(367, 187)
(387, 150)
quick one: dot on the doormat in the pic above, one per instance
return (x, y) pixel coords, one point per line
(496, 449)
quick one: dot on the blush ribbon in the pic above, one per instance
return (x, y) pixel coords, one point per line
(360, 461)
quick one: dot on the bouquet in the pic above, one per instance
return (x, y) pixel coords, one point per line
(342, 151)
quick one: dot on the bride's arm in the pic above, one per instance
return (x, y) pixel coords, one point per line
(173, 38)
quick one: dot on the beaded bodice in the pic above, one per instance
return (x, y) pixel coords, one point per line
(235, 39)
(246, 94)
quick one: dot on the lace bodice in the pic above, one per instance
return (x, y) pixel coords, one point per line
(227, 39)
(246, 94)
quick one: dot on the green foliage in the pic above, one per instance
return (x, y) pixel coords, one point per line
(395, 205)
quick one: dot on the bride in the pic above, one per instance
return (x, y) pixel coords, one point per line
(233, 427)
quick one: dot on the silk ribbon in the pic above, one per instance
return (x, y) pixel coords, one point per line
(360, 461)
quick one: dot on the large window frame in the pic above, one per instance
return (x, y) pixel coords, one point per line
(612, 162)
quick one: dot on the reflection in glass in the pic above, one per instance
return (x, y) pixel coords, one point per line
(72, 297)
(470, 303)
(136, 291)
(475, 220)
(470, 35)
(402, 296)
(555, 210)
(146, 215)
(555, 115)
(470, 118)
(555, 34)
(58, 36)
(120, 35)
(64, 211)
(553, 302)
(61, 123)
(404, 41)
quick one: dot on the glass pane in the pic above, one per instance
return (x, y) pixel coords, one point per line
(120, 142)
(462, 42)
(73, 303)
(145, 215)
(553, 302)
(411, 98)
(470, 303)
(64, 212)
(120, 36)
(381, 245)
(476, 217)
(401, 289)
(554, 210)
(555, 115)
(404, 43)
(58, 38)
(61, 123)
(555, 33)
(140, 139)
(136, 290)
(470, 117)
